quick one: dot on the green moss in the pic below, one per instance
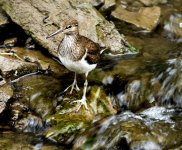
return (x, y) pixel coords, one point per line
(88, 144)
(133, 49)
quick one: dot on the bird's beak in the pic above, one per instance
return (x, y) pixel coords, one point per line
(58, 31)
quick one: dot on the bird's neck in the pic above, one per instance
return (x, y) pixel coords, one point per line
(69, 48)
(71, 37)
(70, 40)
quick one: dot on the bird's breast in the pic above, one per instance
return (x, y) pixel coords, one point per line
(80, 66)
(71, 49)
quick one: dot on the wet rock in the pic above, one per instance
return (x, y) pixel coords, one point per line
(114, 131)
(67, 121)
(12, 67)
(146, 18)
(22, 119)
(3, 18)
(169, 90)
(66, 128)
(43, 62)
(123, 80)
(127, 130)
(30, 124)
(162, 88)
(151, 47)
(165, 125)
(129, 92)
(174, 26)
(143, 81)
(38, 92)
(99, 102)
(6, 93)
(153, 2)
(35, 98)
(47, 17)
(177, 5)
(22, 61)
(18, 111)
(10, 42)
(17, 141)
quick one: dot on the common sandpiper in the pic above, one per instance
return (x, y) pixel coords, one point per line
(78, 54)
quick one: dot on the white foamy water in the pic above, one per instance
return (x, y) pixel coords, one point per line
(157, 113)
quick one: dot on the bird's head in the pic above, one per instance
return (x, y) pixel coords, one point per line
(68, 27)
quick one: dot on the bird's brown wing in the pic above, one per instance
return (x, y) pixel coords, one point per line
(93, 50)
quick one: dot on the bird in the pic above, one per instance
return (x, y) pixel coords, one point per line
(78, 54)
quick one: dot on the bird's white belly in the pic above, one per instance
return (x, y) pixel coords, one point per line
(80, 66)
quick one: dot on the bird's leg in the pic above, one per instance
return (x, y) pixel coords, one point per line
(73, 86)
(83, 100)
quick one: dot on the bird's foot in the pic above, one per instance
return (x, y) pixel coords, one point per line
(73, 86)
(82, 102)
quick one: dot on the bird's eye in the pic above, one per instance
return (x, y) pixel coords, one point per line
(68, 27)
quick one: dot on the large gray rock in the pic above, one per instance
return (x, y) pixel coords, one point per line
(40, 18)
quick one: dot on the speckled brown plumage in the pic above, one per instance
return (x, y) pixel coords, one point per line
(92, 49)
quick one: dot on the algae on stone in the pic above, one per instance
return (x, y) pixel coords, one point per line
(67, 121)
